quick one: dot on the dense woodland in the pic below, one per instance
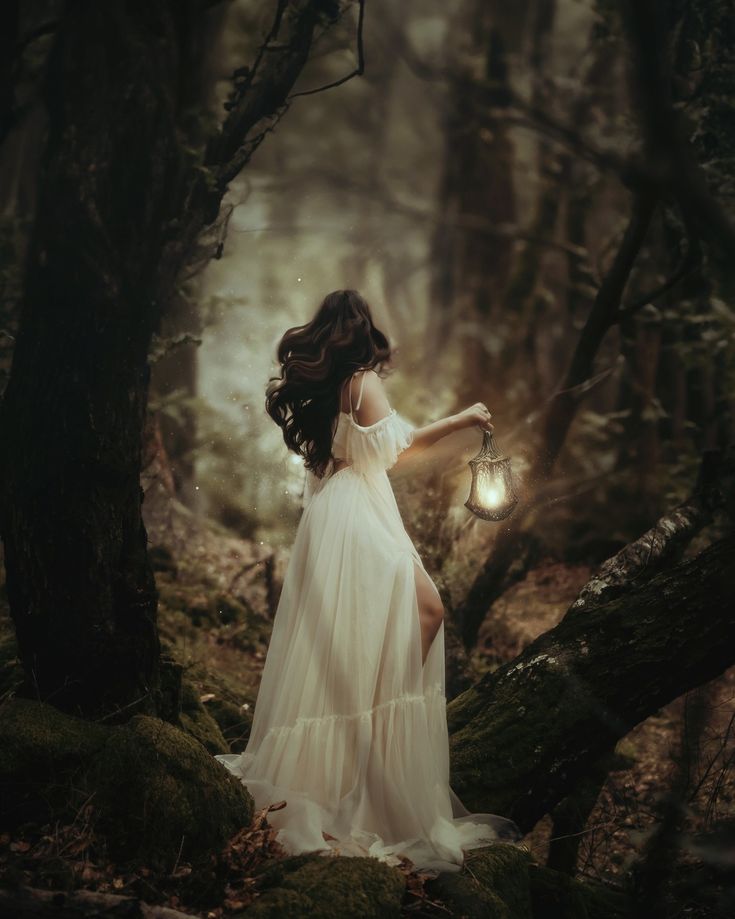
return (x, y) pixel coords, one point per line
(537, 198)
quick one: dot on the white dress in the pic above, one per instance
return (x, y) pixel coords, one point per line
(349, 728)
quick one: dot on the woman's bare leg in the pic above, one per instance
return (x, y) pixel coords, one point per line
(431, 608)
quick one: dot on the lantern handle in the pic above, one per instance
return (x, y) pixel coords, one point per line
(489, 446)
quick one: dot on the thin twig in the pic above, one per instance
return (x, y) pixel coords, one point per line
(359, 69)
(690, 263)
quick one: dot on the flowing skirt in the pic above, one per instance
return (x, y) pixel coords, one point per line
(349, 727)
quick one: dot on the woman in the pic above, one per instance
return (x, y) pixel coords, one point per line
(350, 723)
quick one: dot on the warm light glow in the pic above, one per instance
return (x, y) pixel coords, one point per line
(492, 494)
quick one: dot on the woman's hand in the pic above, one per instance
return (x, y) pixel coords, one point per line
(476, 414)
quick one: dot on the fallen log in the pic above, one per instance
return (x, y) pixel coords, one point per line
(523, 736)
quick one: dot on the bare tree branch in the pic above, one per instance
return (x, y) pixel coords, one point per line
(666, 540)
(359, 69)
(691, 261)
(264, 90)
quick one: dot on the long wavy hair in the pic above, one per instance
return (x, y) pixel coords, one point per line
(316, 359)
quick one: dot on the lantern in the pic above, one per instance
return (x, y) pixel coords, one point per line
(491, 494)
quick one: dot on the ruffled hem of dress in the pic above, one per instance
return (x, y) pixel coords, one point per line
(431, 695)
(287, 752)
(335, 748)
(310, 829)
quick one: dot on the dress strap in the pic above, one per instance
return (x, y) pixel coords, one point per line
(349, 393)
(362, 383)
(349, 390)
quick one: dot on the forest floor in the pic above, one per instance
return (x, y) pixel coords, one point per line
(219, 629)
(630, 803)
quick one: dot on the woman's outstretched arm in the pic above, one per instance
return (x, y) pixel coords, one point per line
(429, 434)
(375, 405)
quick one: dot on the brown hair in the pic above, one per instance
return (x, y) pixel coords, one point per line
(316, 359)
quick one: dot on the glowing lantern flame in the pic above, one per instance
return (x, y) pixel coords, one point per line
(492, 495)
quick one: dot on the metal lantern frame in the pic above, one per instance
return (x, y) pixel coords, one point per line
(490, 466)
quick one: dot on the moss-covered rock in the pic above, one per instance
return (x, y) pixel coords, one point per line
(463, 896)
(197, 721)
(157, 793)
(503, 882)
(161, 795)
(555, 895)
(231, 701)
(503, 870)
(43, 755)
(328, 887)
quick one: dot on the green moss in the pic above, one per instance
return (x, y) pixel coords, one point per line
(199, 606)
(197, 721)
(158, 794)
(42, 754)
(556, 895)
(161, 794)
(282, 904)
(228, 705)
(327, 887)
(503, 881)
(465, 897)
(503, 870)
(35, 733)
(485, 774)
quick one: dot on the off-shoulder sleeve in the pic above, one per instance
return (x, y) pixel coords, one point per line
(377, 446)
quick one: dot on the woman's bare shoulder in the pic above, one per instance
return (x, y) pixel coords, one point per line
(374, 404)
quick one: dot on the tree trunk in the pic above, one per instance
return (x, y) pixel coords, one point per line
(81, 591)
(120, 214)
(477, 182)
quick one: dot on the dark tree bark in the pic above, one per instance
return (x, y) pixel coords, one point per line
(525, 304)
(570, 816)
(8, 37)
(120, 214)
(665, 542)
(470, 271)
(525, 735)
(670, 163)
